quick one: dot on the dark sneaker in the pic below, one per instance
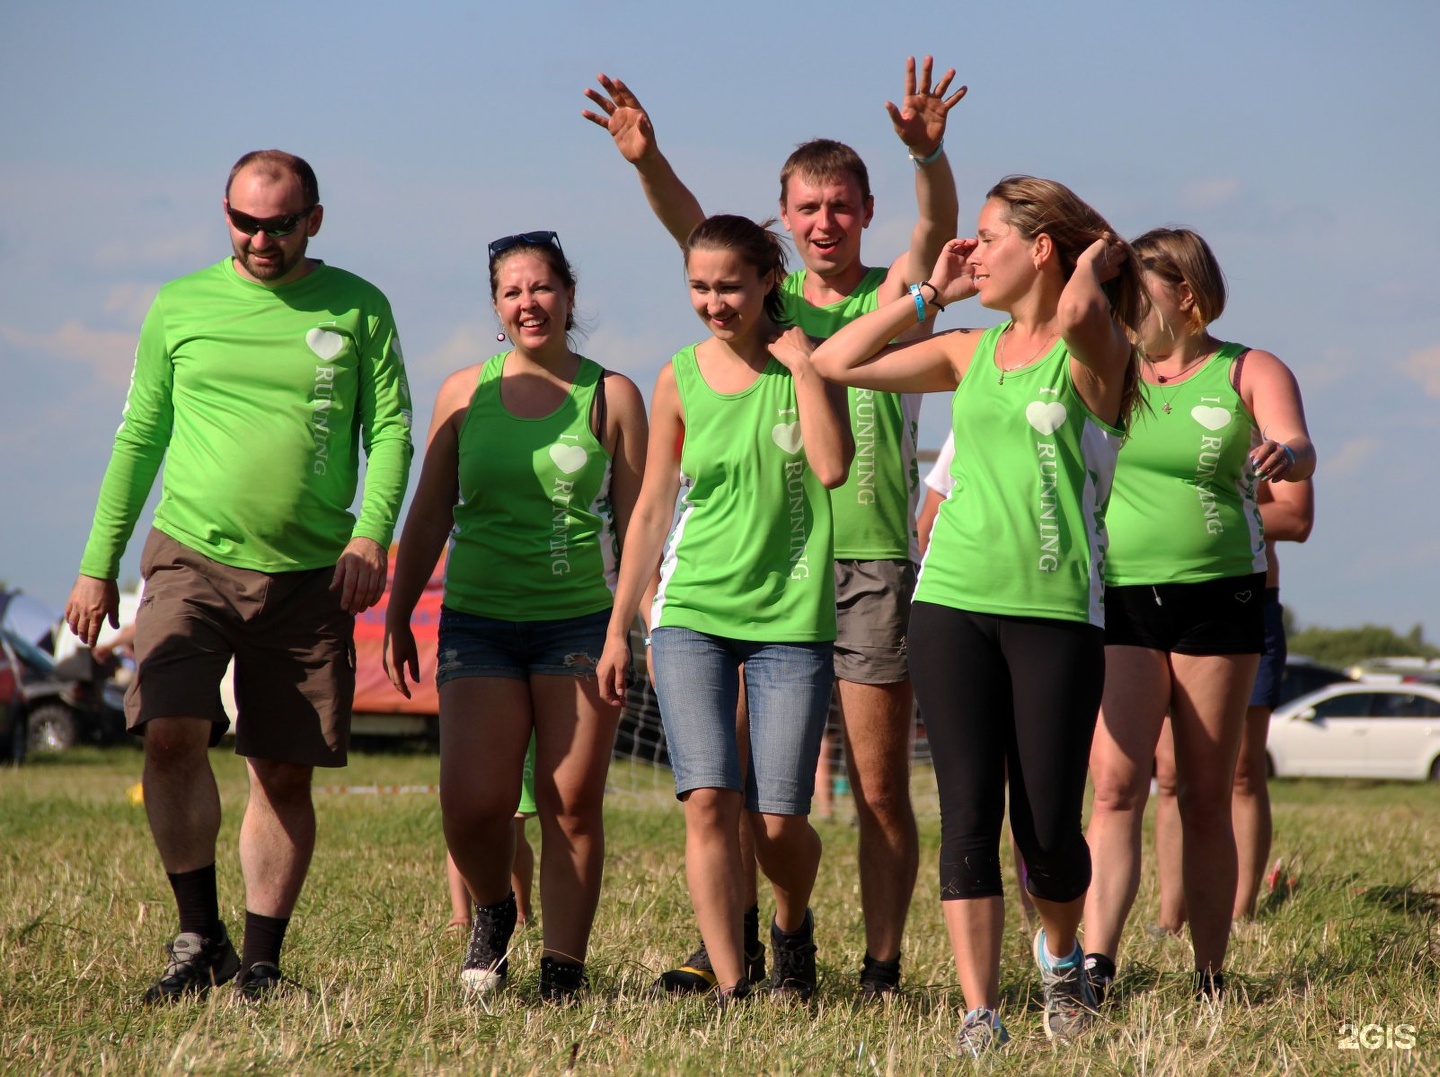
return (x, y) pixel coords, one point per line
(981, 1032)
(1069, 1001)
(693, 977)
(561, 981)
(196, 965)
(879, 979)
(487, 961)
(1100, 971)
(755, 962)
(794, 954)
(1209, 986)
(262, 982)
(739, 993)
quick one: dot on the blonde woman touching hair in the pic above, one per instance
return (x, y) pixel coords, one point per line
(1006, 643)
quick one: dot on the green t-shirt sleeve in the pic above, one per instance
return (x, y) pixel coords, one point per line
(139, 448)
(385, 419)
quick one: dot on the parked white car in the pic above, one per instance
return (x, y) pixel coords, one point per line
(1358, 730)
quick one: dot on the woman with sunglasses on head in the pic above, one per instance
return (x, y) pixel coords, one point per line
(750, 438)
(1006, 643)
(532, 467)
(1184, 596)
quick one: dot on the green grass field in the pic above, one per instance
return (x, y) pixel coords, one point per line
(1333, 979)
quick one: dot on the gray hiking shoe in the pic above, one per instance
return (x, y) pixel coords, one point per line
(196, 965)
(981, 1032)
(1069, 999)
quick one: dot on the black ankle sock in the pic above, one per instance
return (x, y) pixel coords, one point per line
(197, 900)
(1100, 965)
(264, 935)
(752, 929)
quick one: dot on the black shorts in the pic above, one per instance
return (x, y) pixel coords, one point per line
(1225, 616)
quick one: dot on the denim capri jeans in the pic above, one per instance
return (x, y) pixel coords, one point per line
(787, 690)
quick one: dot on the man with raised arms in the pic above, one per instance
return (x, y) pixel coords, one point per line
(258, 381)
(825, 204)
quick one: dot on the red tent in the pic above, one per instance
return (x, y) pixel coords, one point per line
(374, 694)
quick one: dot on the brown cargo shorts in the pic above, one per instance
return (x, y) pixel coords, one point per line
(293, 646)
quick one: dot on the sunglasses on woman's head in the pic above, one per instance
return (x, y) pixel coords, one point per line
(526, 239)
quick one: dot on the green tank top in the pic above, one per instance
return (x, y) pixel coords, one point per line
(875, 509)
(1184, 507)
(751, 553)
(533, 539)
(1023, 531)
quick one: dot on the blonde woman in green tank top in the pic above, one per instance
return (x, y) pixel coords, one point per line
(754, 438)
(1006, 649)
(1184, 594)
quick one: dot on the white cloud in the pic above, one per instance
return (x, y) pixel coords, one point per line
(1424, 367)
(130, 301)
(1207, 194)
(109, 353)
(1352, 456)
(196, 246)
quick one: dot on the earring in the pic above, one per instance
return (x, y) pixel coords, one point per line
(499, 336)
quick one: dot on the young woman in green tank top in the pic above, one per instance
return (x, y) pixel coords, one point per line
(749, 438)
(1006, 649)
(1185, 587)
(532, 467)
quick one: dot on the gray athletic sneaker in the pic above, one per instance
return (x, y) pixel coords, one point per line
(1069, 999)
(981, 1032)
(196, 965)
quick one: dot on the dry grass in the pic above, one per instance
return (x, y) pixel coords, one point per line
(84, 908)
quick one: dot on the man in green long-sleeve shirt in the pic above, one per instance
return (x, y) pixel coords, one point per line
(257, 381)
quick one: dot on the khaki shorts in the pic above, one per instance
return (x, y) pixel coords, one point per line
(872, 607)
(293, 645)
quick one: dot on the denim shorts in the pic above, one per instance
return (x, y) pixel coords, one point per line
(787, 690)
(1270, 677)
(472, 646)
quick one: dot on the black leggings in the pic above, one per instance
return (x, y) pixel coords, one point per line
(1018, 694)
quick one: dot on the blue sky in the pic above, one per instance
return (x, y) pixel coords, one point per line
(1302, 139)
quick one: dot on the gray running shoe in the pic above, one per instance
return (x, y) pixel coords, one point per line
(487, 961)
(981, 1032)
(1069, 1000)
(196, 965)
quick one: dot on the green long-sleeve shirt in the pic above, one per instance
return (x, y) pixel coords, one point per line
(258, 400)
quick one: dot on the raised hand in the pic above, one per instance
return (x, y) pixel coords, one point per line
(921, 117)
(623, 116)
(1105, 256)
(954, 276)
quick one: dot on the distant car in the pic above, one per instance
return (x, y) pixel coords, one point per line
(1358, 730)
(12, 712)
(1304, 675)
(65, 704)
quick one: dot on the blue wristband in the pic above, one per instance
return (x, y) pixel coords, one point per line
(919, 302)
(1288, 452)
(932, 158)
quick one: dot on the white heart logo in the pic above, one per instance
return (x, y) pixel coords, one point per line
(787, 436)
(1210, 418)
(1242, 596)
(324, 343)
(568, 458)
(1046, 418)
